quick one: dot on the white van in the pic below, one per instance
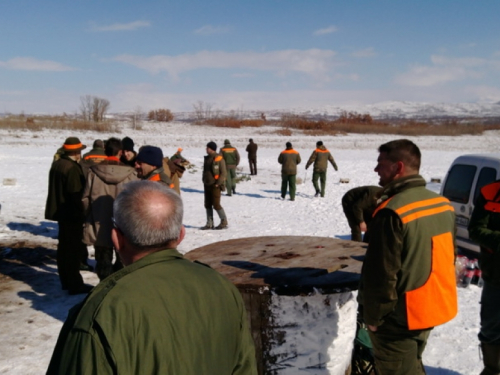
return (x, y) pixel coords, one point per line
(462, 185)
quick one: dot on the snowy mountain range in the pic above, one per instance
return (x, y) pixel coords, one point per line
(382, 110)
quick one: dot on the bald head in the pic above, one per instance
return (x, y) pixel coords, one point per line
(149, 215)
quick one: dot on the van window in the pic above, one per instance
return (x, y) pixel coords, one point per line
(459, 183)
(486, 176)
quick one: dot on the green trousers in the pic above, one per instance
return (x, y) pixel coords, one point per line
(288, 182)
(230, 180)
(398, 351)
(321, 176)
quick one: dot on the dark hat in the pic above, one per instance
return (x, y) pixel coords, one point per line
(73, 144)
(98, 143)
(250, 140)
(150, 155)
(212, 145)
(128, 144)
(319, 143)
(226, 142)
(288, 145)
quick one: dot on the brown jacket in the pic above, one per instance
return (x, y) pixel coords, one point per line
(104, 181)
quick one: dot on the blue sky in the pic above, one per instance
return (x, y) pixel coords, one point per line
(243, 55)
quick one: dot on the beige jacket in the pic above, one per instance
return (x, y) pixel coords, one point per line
(104, 182)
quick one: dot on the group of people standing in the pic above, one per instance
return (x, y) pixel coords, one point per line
(407, 284)
(80, 198)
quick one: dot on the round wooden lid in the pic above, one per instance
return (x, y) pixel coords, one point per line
(286, 265)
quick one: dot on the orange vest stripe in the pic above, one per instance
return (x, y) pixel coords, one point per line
(94, 157)
(381, 206)
(435, 302)
(72, 147)
(319, 150)
(155, 177)
(292, 151)
(420, 204)
(430, 211)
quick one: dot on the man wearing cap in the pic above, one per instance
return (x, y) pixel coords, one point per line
(289, 158)
(93, 157)
(149, 165)
(320, 157)
(128, 155)
(104, 181)
(252, 156)
(64, 205)
(214, 178)
(232, 158)
(177, 158)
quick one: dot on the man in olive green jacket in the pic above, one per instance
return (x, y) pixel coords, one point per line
(484, 228)
(214, 181)
(358, 205)
(149, 165)
(64, 205)
(408, 283)
(320, 157)
(161, 314)
(232, 158)
(289, 158)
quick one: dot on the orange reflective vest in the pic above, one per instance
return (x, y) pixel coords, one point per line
(428, 220)
(156, 177)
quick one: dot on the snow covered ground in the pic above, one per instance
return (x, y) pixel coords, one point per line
(33, 308)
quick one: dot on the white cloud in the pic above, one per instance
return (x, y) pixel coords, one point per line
(445, 69)
(31, 64)
(362, 53)
(327, 30)
(314, 62)
(210, 30)
(121, 26)
(486, 94)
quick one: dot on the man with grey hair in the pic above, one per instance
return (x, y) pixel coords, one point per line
(161, 314)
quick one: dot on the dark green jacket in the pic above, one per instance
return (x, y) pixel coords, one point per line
(360, 203)
(320, 157)
(159, 175)
(484, 228)
(66, 184)
(214, 170)
(231, 156)
(404, 234)
(289, 159)
(160, 315)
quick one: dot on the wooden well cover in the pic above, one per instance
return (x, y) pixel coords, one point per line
(287, 265)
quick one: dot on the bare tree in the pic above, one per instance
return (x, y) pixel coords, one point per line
(136, 116)
(86, 107)
(93, 108)
(202, 110)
